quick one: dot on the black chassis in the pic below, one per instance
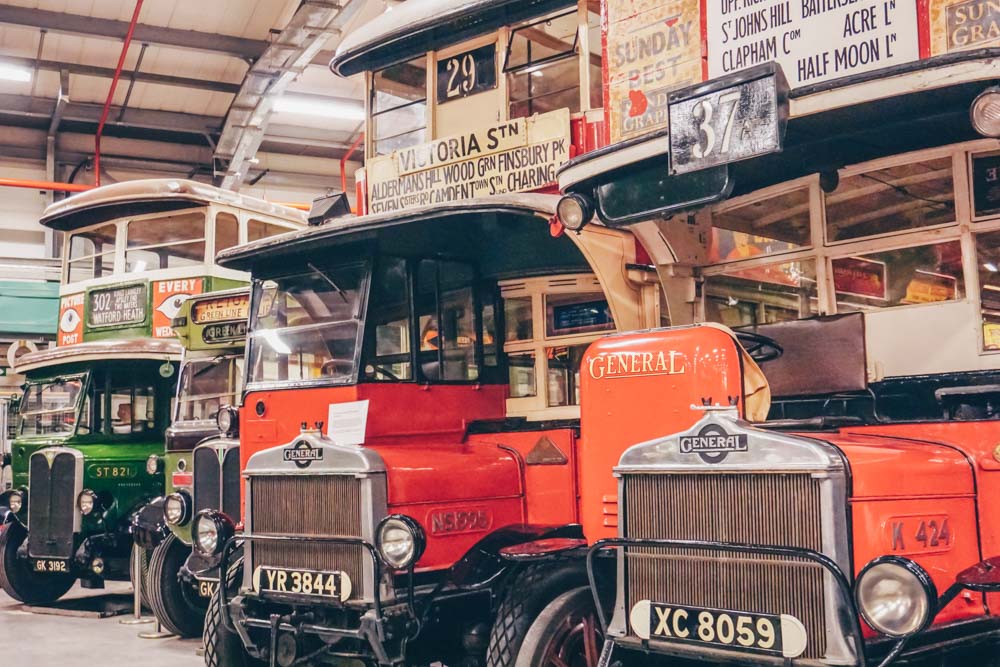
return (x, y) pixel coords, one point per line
(880, 653)
(382, 630)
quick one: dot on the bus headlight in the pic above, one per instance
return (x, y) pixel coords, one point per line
(895, 596)
(86, 502)
(177, 508)
(985, 112)
(400, 541)
(211, 530)
(228, 421)
(15, 501)
(153, 464)
(574, 211)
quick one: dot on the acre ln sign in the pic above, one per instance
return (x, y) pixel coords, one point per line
(514, 156)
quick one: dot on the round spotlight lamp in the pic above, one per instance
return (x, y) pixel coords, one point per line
(228, 421)
(15, 501)
(153, 464)
(574, 211)
(211, 530)
(400, 541)
(985, 112)
(86, 502)
(896, 596)
(177, 509)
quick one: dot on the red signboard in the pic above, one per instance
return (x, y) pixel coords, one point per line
(859, 277)
(168, 295)
(71, 319)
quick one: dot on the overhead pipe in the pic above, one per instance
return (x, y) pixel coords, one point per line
(343, 162)
(111, 93)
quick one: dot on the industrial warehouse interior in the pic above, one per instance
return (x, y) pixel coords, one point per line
(500, 333)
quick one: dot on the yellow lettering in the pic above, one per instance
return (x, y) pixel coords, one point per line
(647, 362)
(661, 362)
(678, 630)
(674, 370)
(270, 578)
(662, 620)
(597, 367)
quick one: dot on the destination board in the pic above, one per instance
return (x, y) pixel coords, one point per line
(224, 332)
(519, 155)
(229, 308)
(118, 306)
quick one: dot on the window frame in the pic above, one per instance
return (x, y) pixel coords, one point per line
(372, 114)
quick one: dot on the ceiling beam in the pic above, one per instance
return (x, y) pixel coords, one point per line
(140, 77)
(90, 26)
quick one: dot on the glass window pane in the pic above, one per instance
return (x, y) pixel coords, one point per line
(206, 385)
(91, 267)
(552, 86)
(167, 229)
(227, 231)
(132, 410)
(400, 84)
(487, 298)
(911, 196)
(306, 326)
(517, 318)
(923, 274)
(760, 295)
(50, 407)
(564, 374)
(567, 314)
(448, 346)
(389, 314)
(542, 39)
(94, 242)
(521, 369)
(988, 261)
(765, 227)
(257, 230)
(165, 257)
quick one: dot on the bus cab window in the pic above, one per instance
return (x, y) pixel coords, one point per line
(447, 321)
(389, 315)
(132, 410)
(988, 262)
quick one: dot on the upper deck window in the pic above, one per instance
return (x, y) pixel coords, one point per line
(894, 199)
(165, 242)
(258, 229)
(92, 253)
(764, 227)
(306, 326)
(227, 231)
(761, 294)
(541, 65)
(399, 106)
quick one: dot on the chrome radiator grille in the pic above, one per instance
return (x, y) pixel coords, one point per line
(764, 508)
(308, 505)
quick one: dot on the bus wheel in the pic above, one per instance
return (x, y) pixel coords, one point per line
(177, 607)
(566, 633)
(17, 578)
(223, 647)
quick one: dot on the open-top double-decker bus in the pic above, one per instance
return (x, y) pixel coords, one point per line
(825, 175)
(88, 450)
(202, 458)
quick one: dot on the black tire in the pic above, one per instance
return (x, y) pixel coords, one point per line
(175, 605)
(17, 578)
(526, 596)
(224, 648)
(567, 632)
(143, 592)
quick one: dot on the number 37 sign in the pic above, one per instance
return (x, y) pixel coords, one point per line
(728, 119)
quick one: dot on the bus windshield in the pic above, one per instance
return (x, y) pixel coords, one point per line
(51, 407)
(206, 385)
(306, 327)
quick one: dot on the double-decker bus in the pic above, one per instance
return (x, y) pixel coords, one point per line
(88, 446)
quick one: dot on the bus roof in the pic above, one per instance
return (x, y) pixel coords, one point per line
(152, 195)
(415, 27)
(518, 204)
(139, 348)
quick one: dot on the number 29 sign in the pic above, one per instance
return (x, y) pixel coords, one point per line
(727, 120)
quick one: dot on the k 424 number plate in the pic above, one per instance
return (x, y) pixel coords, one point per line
(773, 634)
(332, 585)
(50, 565)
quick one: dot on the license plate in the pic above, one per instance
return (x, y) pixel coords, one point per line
(332, 585)
(51, 565)
(207, 588)
(773, 634)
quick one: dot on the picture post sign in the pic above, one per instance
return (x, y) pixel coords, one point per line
(518, 155)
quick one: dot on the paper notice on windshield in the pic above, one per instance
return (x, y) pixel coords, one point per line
(346, 422)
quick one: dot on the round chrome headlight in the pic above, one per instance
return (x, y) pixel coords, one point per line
(153, 464)
(177, 508)
(15, 501)
(574, 211)
(211, 530)
(400, 541)
(985, 112)
(895, 596)
(228, 420)
(86, 502)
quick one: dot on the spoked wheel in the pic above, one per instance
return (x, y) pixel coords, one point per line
(566, 633)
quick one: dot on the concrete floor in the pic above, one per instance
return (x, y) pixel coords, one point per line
(28, 639)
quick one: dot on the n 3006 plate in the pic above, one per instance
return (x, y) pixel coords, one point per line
(737, 630)
(332, 585)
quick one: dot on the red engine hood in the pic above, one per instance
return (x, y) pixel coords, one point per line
(883, 466)
(443, 473)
